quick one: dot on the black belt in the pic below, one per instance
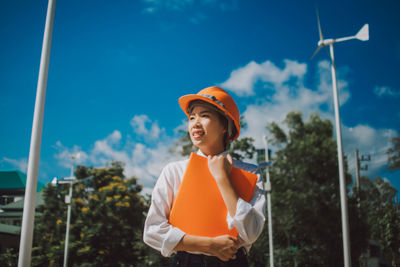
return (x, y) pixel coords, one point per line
(185, 259)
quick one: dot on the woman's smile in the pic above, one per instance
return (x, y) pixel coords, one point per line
(197, 133)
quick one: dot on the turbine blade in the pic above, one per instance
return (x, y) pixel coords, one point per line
(363, 34)
(316, 51)
(321, 36)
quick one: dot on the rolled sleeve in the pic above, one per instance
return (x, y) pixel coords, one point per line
(172, 239)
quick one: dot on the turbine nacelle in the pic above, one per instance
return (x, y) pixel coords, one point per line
(362, 35)
(326, 42)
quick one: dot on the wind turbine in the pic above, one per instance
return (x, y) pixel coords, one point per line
(362, 35)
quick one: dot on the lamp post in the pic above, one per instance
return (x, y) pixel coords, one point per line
(68, 200)
(268, 189)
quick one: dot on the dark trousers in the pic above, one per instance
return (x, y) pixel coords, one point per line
(185, 259)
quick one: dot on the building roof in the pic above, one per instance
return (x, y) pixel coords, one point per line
(14, 180)
(19, 204)
(11, 214)
(10, 229)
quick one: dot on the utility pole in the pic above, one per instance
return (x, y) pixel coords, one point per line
(357, 172)
(358, 169)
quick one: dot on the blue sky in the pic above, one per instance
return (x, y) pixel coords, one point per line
(117, 69)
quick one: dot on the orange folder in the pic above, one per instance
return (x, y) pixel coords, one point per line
(199, 208)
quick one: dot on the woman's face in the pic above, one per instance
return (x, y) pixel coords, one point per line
(206, 130)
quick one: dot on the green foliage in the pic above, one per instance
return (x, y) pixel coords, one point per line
(9, 257)
(106, 222)
(49, 234)
(381, 211)
(242, 148)
(305, 198)
(394, 154)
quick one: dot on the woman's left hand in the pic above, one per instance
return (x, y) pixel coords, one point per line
(220, 166)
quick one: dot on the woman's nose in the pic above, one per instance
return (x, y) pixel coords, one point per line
(196, 121)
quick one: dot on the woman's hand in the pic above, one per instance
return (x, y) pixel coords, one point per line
(224, 247)
(220, 166)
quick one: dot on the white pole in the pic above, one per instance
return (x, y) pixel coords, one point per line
(68, 223)
(68, 201)
(342, 183)
(268, 189)
(25, 248)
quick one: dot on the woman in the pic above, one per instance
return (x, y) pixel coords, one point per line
(213, 125)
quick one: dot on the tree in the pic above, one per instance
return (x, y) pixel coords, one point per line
(49, 233)
(381, 211)
(305, 197)
(9, 257)
(394, 154)
(106, 222)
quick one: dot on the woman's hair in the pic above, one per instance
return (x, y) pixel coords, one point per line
(226, 122)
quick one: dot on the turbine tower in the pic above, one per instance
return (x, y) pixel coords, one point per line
(362, 35)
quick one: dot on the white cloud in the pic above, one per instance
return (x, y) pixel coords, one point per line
(324, 75)
(243, 79)
(368, 141)
(146, 128)
(104, 150)
(281, 90)
(142, 160)
(20, 164)
(67, 157)
(382, 91)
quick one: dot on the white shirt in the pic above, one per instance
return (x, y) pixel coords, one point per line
(162, 236)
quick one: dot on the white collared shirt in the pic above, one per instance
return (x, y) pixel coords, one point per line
(162, 236)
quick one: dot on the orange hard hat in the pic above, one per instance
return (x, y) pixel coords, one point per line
(219, 98)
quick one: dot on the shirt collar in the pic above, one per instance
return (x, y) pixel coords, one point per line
(200, 153)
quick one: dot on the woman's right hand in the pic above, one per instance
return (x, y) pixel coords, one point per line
(224, 247)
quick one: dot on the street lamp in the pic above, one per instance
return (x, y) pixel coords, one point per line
(267, 188)
(68, 200)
